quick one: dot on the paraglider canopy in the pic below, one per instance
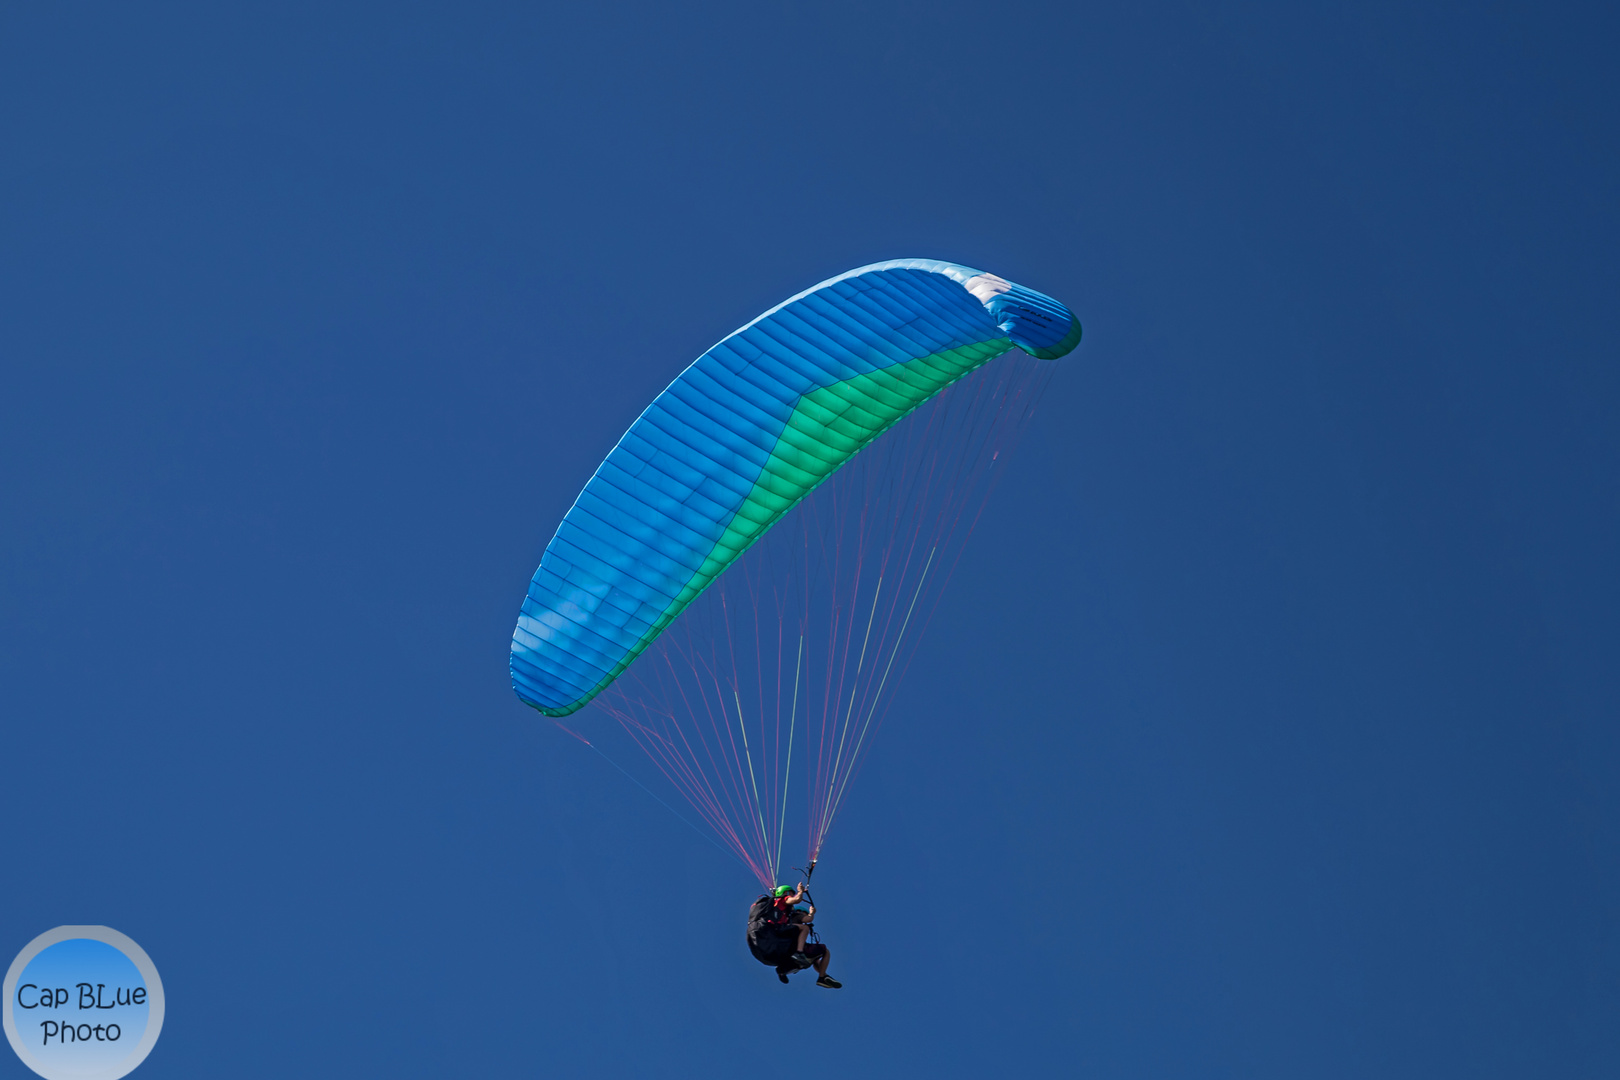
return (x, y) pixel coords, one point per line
(744, 433)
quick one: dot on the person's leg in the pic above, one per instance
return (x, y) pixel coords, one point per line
(823, 955)
(804, 935)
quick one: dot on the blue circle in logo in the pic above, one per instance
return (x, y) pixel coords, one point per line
(82, 1003)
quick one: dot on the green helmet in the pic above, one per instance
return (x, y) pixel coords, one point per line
(782, 890)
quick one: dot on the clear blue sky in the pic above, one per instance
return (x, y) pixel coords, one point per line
(1268, 730)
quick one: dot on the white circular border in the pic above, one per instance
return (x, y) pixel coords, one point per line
(143, 963)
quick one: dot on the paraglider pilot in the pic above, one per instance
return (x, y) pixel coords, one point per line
(779, 935)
